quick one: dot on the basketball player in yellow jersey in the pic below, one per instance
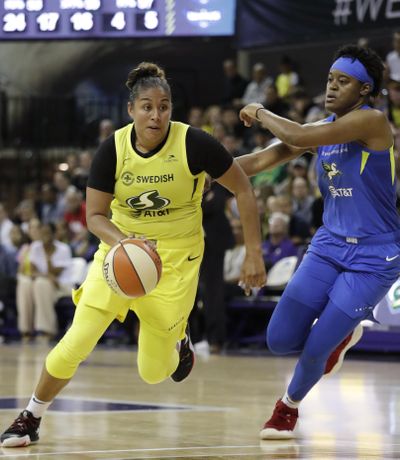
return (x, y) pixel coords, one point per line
(150, 174)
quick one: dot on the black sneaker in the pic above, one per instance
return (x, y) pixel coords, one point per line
(23, 431)
(186, 359)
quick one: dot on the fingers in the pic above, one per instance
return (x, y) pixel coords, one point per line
(252, 284)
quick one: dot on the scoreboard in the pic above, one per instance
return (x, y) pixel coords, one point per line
(77, 19)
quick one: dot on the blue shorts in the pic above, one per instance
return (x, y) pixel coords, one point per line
(355, 277)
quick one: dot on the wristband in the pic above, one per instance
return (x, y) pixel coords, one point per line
(260, 108)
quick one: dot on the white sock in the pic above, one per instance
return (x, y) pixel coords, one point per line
(289, 402)
(37, 407)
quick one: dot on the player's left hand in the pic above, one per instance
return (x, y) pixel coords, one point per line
(248, 113)
(253, 274)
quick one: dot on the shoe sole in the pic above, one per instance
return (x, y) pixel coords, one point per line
(357, 334)
(271, 433)
(15, 441)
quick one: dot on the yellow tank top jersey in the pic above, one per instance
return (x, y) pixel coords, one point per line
(157, 197)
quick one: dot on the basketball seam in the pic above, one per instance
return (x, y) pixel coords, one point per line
(151, 252)
(134, 269)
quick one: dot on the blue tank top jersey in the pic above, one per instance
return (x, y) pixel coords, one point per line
(358, 186)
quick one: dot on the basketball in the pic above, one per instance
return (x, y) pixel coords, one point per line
(132, 268)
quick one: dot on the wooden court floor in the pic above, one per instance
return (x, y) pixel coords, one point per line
(108, 413)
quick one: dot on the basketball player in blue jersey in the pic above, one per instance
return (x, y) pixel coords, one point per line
(354, 258)
(150, 174)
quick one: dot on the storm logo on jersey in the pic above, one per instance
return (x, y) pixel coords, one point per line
(148, 204)
(330, 170)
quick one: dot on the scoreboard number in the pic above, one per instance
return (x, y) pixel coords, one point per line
(82, 22)
(14, 22)
(47, 22)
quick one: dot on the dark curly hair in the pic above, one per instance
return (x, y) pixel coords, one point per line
(146, 75)
(369, 59)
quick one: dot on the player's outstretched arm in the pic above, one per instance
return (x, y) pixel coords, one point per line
(253, 269)
(274, 155)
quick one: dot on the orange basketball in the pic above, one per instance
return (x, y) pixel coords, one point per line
(132, 268)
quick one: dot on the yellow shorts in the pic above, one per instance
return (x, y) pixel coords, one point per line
(164, 310)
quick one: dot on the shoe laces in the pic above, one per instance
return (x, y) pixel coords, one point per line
(281, 415)
(24, 422)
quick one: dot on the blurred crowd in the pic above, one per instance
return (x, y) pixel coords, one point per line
(49, 222)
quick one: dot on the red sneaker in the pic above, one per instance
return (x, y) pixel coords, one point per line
(23, 431)
(282, 423)
(336, 358)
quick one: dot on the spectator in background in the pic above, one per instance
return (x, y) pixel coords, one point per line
(24, 213)
(72, 162)
(62, 182)
(302, 200)
(232, 144)
(393, 110)
(234, 84)
(212, 117)
(49, 278)
(262, 138)
(303, 109)
(5, 227)
(299, 230)
(295, 168)
(287, 79)
(233, 261)
(278, 244)
(50, 208)
(255, 90)
(393, 58)
(75, 215)
(106, 128)
(274, 103)
(231, 121)
(219, 132)
(195, 117)
(81, 173)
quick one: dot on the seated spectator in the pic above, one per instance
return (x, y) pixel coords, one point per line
(49, 278)
(394, 103)
(299, 230)
(5, 227)
(278, 244)
(303, 108)
(75, 215)
(212, 117)
(81, 172)
(288, 78)
(62, 181)
(195, 117)
(230, 119)
(24, 213)
(50, 208)
(393, 58)
(233, 261)
(234, 84)
(106, 128)
(302, 199)
(256, 88)
(274, 103)
(219, 132)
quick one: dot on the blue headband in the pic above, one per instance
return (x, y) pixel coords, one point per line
(354, 68)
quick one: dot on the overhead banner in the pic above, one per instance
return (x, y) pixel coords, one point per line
(278, 22)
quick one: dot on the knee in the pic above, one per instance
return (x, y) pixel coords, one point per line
(277, 342)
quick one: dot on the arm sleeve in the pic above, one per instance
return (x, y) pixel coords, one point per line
(204, 153)
(102, 171)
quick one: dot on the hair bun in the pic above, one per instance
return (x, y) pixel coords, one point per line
(144, 70)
